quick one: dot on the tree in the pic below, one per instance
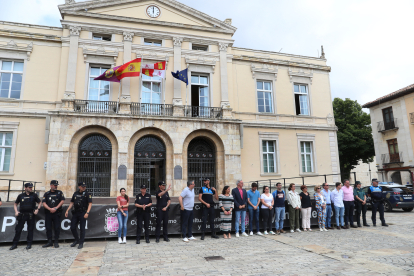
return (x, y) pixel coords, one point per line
(354, 135)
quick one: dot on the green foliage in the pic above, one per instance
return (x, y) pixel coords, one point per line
(354, 134)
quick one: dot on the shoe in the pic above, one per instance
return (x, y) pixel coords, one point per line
(244, 234)
(13, 247)
(259, 233)
(339, 228)
(321, 229)
(251, 233)
(185, 240)
(147, 241)
(237, 234)
(282, 231)
(265, 232)
(80, 246)
(273, 233)
(304, 230)
(374, 225)
(157, 240)
(192, 238)
(74, 243)
(202, 236)
(344, 227)
(359, 225)
(298, 230)
(124, 240)
(384, 224)
(138, 242)
(29, 246)
(214, 236)
(324, 229)
(310, 230)
(353, 226)
(119, 240)
(48, 244)
(166, 239)
(277, 232)
(366, 225)
(56, 244)
(291, 231)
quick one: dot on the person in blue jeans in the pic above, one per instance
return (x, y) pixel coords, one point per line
(337, 197)
(279, 205)
(240, 205)
(253, 202)
(122, 214)
(327, 193)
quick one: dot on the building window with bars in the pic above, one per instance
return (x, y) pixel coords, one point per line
(11, 77)
(98, 90)
(264, 96)
(6, 142)
(301, 99)
(269, 156)
(306, 152)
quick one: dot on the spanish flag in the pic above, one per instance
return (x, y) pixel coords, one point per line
(129, 69)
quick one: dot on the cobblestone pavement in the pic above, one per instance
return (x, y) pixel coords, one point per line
(363, 251)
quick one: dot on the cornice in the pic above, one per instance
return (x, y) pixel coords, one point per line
(289, 126)
(277, 53)
(29, 35)
(73, 7)
(300, 73)
(201, 61)
(12, 46)
(10, 23)
(265, 69)
(100, 52)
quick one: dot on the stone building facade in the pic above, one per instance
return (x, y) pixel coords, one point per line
(246, 114)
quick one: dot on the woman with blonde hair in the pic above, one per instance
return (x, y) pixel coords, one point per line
(320, 207)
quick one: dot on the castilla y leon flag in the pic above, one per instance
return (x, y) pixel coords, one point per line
(154, 70)
(129, 69)
(109, 75)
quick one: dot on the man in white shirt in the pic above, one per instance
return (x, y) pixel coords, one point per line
(187, 206)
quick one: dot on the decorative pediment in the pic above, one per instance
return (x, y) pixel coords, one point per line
(300, 73)
(100, 52)
(153, 56)
(26, 49)
(200, 60)
(265, 69)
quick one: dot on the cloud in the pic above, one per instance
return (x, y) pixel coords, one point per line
(367, 42)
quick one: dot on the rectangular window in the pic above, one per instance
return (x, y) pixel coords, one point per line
(264, 96)
(269, 156)
(388, 116)
(98, 90)
(151, 90)
(6, 140)
(200, 95)
(306, 156)
(101, 37)
(11, 76)
(152, 42)
(199, 47)
(393, 150)
(301, 99)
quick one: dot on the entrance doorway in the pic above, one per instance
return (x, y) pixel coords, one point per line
(199, 95)
(396, 177)
(149, 164)
(201, 162)
(94, 164)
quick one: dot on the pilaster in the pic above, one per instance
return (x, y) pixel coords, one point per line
(72, 62)
(223, 76)
(177, 100)
(126, 82)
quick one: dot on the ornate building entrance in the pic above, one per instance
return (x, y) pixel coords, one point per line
(201, 162)
(94, 164)
(149, 163)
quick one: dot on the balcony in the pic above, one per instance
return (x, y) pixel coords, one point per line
(394, 158)
(203, 112)
(151, 109)
(386, 126)
(86, 106)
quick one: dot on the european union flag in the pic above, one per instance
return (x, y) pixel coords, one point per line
(181, 75)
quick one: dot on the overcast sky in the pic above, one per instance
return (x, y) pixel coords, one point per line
(368, 43)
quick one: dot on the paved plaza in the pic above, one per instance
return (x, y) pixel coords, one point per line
(362, 251)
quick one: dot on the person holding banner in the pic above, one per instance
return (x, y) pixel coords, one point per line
(206, 196)
(122, 214)
(163, 205)
(186, 200)
(53, 201)
(143, 202)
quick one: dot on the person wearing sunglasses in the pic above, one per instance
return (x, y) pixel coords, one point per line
(53, 201)
(27, 212)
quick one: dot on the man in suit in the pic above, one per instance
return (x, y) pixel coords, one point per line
(240, 206)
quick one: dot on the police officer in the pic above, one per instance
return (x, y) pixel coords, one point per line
(82, 202)
(163, 204)
(377, 202)
(143, 202)
(28, 210)
(205, 196)
(53, 201)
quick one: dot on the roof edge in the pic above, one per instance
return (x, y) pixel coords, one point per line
(394, 95)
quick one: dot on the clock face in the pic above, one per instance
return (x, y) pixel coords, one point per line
(153, 11)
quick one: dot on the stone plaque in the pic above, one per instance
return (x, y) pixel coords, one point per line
(178, 172)
(122, 172)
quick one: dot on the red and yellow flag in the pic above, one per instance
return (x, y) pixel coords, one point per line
(154, 70)
(129, 69)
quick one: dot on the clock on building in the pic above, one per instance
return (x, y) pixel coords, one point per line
(153, 11)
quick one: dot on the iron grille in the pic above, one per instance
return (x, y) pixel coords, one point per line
(204, 112)
(94, 164)
(388, 158)
(151, 109)
(86, 106)
(384, 126)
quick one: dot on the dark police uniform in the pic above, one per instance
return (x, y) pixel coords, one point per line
(143, 215)
(52, 200)
(80, 201)
(27, 207)
(162, 202)
(377, 204)
(207, 197)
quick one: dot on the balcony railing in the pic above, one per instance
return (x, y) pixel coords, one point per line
(384, 126)
(151, 109)
(388, 158)
(203, 112)
(86, 106)
(412, 117)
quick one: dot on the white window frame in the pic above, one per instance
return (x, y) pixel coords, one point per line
(91, 76)
(160, 81)
(151, 42)
(201, 84)
(10, 127)
(265, 91)
(101, 37)
(273, 137)
(306, 137)
(12, 74)
(300, 93)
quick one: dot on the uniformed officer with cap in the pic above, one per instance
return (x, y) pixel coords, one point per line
(28, 210)
(377, 202)
(143, 202)
(52, 202)
(205, 196)
(82, 203)
(163, 204)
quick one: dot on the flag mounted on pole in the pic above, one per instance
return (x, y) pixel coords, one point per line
(154, 70)
(109, 75)
(129, 69)
(181, 75)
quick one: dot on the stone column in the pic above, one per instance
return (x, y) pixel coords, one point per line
(177, 100)
(72, 62)
(126, 82)
(223, 75)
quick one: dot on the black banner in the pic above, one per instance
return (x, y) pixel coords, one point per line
(103, 223)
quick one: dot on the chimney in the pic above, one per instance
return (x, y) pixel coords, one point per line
(228, 21)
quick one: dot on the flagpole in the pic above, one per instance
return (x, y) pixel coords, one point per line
(119, 96)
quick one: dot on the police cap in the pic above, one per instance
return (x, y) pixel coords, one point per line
(161, 183)
(54, 182)
(374, 180)
(83, 184)
(357, 182)
(143, 186)
(28, 184)
(206, 179)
